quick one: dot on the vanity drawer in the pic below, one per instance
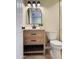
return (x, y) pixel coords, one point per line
(33, 33)
(33, 37)
(33, 41)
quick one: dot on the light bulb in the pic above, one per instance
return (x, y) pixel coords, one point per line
(38, 5)
(34, 5)
(29, 5)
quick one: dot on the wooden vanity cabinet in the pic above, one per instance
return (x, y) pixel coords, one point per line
(34, 39)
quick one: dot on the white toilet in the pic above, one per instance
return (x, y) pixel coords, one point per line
(56, 45)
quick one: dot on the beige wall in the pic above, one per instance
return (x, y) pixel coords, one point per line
(51, 18)
(50, 15)
(25, 16)
(61, 20)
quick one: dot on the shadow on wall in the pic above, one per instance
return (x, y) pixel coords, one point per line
(46, 3)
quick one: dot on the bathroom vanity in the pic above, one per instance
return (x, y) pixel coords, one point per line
(34, 41)
(33, 35)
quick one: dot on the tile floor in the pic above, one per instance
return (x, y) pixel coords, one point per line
(38, 56)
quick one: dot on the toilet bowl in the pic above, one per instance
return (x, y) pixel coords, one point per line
(56, 45)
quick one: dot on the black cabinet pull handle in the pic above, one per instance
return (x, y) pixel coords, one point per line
(33, 40)
(33, 33)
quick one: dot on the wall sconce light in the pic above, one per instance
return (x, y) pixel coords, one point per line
(34, 4)
(29, 4)
(38, 3)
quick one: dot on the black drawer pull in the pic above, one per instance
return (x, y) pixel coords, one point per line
(33, 33)
(33, 40)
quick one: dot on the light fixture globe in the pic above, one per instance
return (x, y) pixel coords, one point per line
(29, 4)
(38, 3)
(34, 4)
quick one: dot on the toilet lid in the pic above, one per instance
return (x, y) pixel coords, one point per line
(56, 42)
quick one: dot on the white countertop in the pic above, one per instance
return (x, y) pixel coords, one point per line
(37, 28)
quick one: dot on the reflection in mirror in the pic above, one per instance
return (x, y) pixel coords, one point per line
(34, 16)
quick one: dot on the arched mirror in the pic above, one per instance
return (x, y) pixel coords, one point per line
(34, 16)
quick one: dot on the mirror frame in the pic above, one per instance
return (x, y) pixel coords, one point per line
(29, 17)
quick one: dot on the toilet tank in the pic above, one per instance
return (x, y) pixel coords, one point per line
(52, 35)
